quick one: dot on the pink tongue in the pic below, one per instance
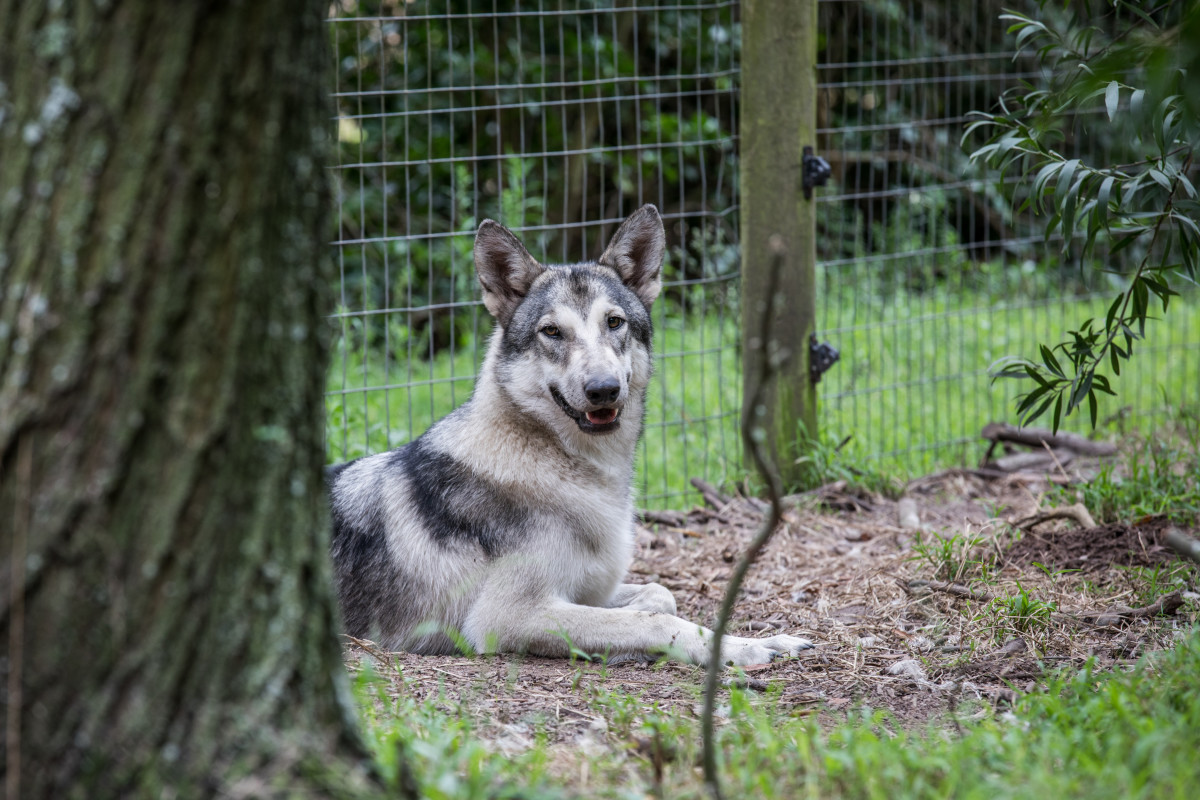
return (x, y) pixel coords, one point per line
(602, 416)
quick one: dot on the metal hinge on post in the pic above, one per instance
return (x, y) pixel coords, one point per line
(821, 356)
(816, 171)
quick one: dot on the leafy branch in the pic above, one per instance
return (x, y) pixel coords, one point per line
(1130, 76)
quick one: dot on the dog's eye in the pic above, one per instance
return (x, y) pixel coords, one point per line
(615, 322)
(551, 331)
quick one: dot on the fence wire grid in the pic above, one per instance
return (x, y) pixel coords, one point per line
(560, 118)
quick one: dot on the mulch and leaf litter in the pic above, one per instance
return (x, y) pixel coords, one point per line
(850, 571)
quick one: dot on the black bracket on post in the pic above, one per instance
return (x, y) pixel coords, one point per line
(821, 356)
(816, 172)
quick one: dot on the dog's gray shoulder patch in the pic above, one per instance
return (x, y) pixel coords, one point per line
(457, 506)
(368, 580)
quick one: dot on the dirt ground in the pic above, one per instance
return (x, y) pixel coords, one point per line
(894, 628)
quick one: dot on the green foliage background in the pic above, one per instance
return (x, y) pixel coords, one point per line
(558, 119)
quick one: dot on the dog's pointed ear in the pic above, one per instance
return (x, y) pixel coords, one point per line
(504, 268)
(636, 253)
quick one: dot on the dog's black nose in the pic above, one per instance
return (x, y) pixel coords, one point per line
(602, 390)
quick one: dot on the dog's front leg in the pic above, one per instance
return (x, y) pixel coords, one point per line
(643, 597)
(551, 628)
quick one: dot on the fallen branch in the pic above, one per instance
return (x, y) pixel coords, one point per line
(1164, 606)
(1035, 462)
(1076, 512)
(832, 495)
(956, 589)
(792, 500)
(672, 519)
(981, 472)
(1039, 437)
(712, 495)
(1183, 544)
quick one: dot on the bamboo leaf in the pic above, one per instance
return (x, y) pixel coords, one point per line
(1102, 200)
(1136, 9)
(1141, 301)
(1032, 397)
(1187, 222)
(1051, 362)
(1112, 96)
(1127, 240)
(1136, 102)
(1112, 312)
(1082, 390)
(1035, 375)
(1065, 175)
(1101, 384)
(1188, 188)
(1030, 417)
(1161, 179)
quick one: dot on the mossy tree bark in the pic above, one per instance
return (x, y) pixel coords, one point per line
(165, 604)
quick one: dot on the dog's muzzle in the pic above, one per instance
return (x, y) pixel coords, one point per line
(600, 420)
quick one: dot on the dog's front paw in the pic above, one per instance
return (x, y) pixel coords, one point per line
(738, 652)
(784, 645)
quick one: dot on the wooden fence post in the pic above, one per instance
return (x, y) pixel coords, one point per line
(778, 118)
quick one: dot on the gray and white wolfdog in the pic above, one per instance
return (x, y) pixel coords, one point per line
(509, 525)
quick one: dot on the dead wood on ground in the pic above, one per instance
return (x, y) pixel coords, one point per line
(1050, 451)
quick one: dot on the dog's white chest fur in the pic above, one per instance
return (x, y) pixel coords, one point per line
(581, 524)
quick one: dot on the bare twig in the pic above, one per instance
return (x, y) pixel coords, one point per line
(751, 435)
(1059, 458)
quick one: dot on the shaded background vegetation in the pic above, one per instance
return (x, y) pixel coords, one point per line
(559, 118)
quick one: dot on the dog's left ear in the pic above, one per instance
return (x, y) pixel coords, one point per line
(636, 253)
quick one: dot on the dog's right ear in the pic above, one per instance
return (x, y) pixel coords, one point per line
(505, 269)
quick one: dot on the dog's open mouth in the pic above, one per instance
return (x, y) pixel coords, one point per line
(601, 420)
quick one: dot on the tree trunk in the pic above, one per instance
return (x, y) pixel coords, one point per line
(778, 104)
(165, 602)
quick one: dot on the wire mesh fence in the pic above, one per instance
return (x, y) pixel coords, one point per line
(559, 117)
(927, 275)
(556, 119)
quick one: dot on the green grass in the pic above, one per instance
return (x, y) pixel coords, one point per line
(913, 378)
(1117, 735)
(911, 392)
(1157, 475)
